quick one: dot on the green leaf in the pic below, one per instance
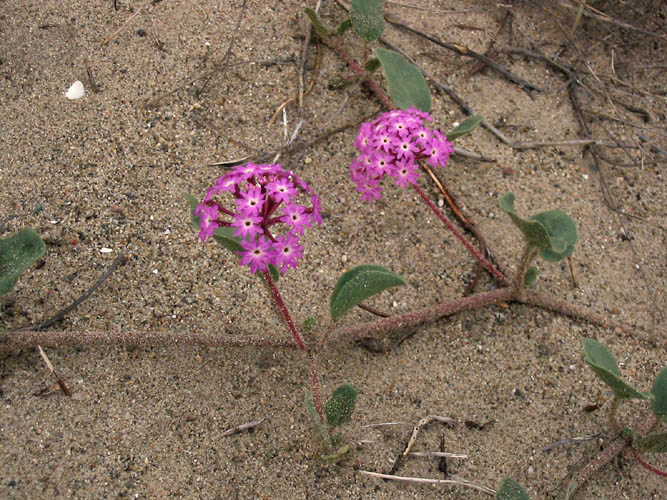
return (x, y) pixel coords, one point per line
(195, 219)
(466, 127)
(407, 86)
(530, 276)
(344, 26)
(357, 284)
(315, 418)
(653, 443)
(225, 237)
(659, 392)
(533, 231)
(562, 234)
(315, 19)
(340, 406)
(17, 253)
(372, 64)
(367, 18)
(603, 363)
(511, 490)
(571, 487)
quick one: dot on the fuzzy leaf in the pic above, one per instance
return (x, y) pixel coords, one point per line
(372, 64)
(195, 219)
(17, 253)
(511, 490)
(659, 392)
(530, 276)
(407, 86)
(653, 443)
(315, 419)
(562, 234)
(340, 406)
(467, 126)
(357, 284)
(533, 231)
(315, 19)
(367, 18)
(344, 26)
(603, 363)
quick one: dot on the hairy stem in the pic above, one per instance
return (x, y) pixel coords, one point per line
(373, 328)
(529, 253)
(298, 339)
(487, 265)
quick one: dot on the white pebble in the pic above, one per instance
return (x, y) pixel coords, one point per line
(441, 202)
(75, 91)
(105, 250)
(343, 259)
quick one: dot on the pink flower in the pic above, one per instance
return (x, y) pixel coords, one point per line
(287, 252)
(258, 254)
(258, 192)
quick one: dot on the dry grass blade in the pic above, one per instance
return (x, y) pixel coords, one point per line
(424, 480)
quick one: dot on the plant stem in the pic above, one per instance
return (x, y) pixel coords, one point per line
(285, 312)
(487, 265)
(298, 339)
(529, 253)
(426, 314)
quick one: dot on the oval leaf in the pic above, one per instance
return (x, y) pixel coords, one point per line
(534, 232)
(530, 276)
(562, 234)
(407, 86)
(17, 253)
(659, 392)
(466, 127)
(317, 23)
(340, 406)
(511, 490)
(367, 18)
(357, 284)
(603, 363)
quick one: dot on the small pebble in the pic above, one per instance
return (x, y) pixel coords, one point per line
(105, 250)
(343, 259)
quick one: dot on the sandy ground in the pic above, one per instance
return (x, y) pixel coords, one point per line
(106, 171)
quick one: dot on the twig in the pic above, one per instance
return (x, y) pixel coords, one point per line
(221, 67)
(125, 25)
(452, 482)
(466, 52)
(61, 314)
(61, 382)
(435, 11)
(413, 438)
(437, 454)
(596, 14)
(243, 427)
(647, 466)
(571, 440)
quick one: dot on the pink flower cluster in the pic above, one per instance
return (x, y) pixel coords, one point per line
(264, 195)
(392, 145)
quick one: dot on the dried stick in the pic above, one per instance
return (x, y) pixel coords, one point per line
(49, 366)
(125, 25)
(413, 439)
(452, 482)
(243, 427)
(61, 314)
(221, 67)
(466, 52)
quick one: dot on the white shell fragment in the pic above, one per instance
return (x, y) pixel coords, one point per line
(105, 250)
(75, 91)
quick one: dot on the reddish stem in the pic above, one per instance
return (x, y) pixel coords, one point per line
(298, 339)
(487, 265)
(285, 313)
(646, 466)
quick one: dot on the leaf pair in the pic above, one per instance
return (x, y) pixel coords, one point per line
(553, 233)
(603, 363)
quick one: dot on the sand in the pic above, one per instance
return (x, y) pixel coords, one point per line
(108, 171)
